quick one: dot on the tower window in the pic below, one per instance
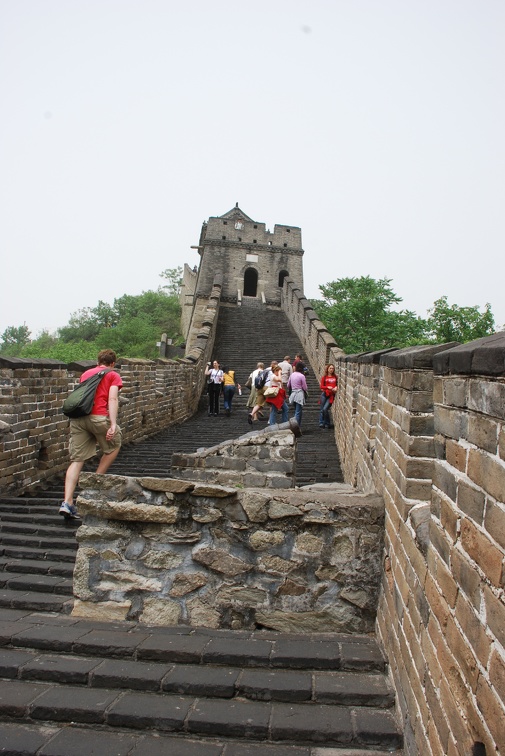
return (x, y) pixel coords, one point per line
(240, 238)
(225, 223)
(288, 230)
(255, 226)
(254, 241)
(223, 237)
(285, 245)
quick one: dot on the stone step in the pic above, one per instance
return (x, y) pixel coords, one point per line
(282, 691)
(38, 583)
(53, 555)
(36, 567)
(343, 688)
(29, 525)
(185, 645)
(53, 739)
(39, 542)
(35, 601)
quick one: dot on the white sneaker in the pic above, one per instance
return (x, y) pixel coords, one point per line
(68, 511)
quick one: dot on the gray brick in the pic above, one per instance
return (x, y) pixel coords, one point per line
(249, 653)
(16, 696)
(245, 719)
(72, 741)
(17, 739)
(376, 727)
(11, 661)
(320, 724)
(175, 746)
(173, 648)
(107, 643)
(195, 680)
(60, 669)
(116, 673)
(148, 710)
(275, 685)
(70, 704)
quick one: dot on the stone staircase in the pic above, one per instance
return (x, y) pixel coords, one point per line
(72, 687)
(245, 336)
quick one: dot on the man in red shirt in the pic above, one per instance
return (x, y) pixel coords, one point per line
(100, 427)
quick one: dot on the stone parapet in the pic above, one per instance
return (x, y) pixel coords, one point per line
(259, 459)
(424, 427)
(168, 552)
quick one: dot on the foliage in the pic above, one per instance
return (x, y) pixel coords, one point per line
(453, 323)
(13, 340)
(174, 278)
(132, 326)
(358, 314)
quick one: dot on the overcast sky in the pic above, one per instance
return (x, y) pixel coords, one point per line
(377, 126)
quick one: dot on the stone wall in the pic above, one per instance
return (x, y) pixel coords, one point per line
(425, 428)
(171, 552)
(155, 395)
(259, 459)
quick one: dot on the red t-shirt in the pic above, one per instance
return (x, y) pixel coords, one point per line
(329, 382)
(100, 407)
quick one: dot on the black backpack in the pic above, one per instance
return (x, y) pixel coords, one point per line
(80, 402)
(261, 378)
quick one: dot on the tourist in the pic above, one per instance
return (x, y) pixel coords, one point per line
(229, 389)
(277, 403)
(328, 386)
(287, 369)
(98, 428)
(297, 389)
(214, 379)
(250, 383)
(260, 397)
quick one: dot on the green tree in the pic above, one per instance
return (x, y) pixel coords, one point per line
(357, 312)
(13, 339)
(174, 277)
(453, 323)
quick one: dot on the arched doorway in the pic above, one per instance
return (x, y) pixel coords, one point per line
(282, 276)
(250, 282)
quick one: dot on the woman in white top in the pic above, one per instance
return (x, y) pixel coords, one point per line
(214, 379)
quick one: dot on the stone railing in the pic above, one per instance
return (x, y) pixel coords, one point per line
(320, 347)
(171, 552)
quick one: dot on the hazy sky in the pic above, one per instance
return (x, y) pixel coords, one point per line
(377, 126)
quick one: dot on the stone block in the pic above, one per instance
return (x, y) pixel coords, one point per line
(488, 473)
(487, 398)
(483, 433)
(471, 500)
(478, 546)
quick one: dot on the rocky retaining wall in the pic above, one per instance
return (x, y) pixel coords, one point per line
(260, 459)
(168, 552)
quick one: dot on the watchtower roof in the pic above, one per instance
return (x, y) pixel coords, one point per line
(236, 214)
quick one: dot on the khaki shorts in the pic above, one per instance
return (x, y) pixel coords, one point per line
(88, 432)
(260, 399)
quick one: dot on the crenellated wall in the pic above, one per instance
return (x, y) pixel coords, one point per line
(425, 428)
(156, 394)
(422, 427)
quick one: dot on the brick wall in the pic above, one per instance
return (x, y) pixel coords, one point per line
(424, 427)
(156, 394)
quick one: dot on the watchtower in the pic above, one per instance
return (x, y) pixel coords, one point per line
(253, 261)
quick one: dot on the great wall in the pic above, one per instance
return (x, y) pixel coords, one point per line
(419, 430)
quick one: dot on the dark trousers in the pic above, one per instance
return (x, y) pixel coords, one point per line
(214, 391)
